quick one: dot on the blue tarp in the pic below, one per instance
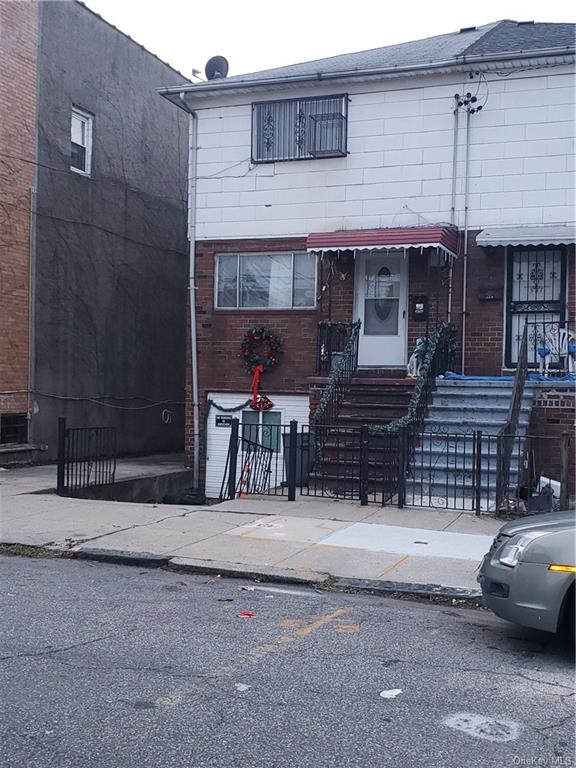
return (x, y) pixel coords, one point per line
(531, 377)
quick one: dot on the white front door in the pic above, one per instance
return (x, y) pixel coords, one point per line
(381, 298)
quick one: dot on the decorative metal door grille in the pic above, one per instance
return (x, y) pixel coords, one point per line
(536, 294)
(299, 129)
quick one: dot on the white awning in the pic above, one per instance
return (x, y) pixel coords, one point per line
(550, 234)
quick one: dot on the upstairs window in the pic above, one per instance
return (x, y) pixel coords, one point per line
(299, 129)
(266, 280)
(81, 142)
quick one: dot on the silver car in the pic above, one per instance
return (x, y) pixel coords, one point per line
(528, 575)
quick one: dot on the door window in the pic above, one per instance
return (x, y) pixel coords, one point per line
(382, 296)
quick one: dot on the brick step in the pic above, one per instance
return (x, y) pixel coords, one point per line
(375, 408)
(381, 373)
(370, 381)
(360, 419)
(378, 396)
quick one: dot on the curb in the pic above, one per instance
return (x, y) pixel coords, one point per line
(244, 573)
(394, 589)
(119, 557)
(437, 592)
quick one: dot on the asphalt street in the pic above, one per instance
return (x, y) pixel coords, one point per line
(107, 666)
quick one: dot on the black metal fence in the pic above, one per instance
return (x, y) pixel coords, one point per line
(86, 457)
(458, 471)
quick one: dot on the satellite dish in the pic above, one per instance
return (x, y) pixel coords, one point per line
(216, 67)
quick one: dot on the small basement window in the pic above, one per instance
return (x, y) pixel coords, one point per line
(13, 428)
(299, 129)
(81, 142)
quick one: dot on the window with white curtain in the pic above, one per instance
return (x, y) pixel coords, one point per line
(81, 142)
(266, 280)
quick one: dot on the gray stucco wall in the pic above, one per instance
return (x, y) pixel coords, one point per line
(111, 253)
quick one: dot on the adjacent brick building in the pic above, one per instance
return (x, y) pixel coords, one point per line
(93, 254)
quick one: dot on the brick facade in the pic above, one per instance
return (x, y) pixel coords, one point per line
(18, 61)
(553, 415)
(220, 332)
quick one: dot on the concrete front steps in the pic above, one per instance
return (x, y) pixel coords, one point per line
(443, 469)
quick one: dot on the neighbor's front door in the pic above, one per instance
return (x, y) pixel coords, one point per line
(381, 296)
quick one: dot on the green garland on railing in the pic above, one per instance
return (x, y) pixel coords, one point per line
(336, 373)
(441, 334)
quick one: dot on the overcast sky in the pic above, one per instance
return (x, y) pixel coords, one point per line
(259, 34)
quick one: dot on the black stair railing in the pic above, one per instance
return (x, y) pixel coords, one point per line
(339, 382)
(507, 434)
(331, 342)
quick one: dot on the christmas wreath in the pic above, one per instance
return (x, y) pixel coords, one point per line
(260, 352)
(260, 347)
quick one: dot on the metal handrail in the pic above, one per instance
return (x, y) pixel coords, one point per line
(332, 339)
(436, 360)
(339, 382)
(507, 433)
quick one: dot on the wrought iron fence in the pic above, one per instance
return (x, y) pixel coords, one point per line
(340, 378)
(442, 470)
(331, 342)
(86, 457)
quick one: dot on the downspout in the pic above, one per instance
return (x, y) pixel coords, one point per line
(465, 262)
(453, 203)
(191, 231)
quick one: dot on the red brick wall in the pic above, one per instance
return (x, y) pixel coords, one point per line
(19, 23)
(553, 414)
(220, 332)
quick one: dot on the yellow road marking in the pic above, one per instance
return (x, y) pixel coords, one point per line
(345, 629)
(393, 566)
(308, 629)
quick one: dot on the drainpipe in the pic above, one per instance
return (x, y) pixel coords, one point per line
(453, 203)
(192, 164)
(465, 264)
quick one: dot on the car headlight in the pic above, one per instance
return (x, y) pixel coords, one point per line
(511, 552)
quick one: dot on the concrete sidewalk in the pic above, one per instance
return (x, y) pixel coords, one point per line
(307, 540)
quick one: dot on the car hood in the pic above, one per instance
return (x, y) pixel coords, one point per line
(548, 521)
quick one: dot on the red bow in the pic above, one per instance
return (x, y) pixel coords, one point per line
(257, 371)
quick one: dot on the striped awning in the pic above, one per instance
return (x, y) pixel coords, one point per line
(551, 234)
(444, 238)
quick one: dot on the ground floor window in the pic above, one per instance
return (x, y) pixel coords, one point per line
(265, 280)
(263, 427)
(13, 428)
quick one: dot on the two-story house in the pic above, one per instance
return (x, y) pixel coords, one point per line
(93, 255)
(426, 181)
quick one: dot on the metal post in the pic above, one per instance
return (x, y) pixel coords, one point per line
(364, 465)
(402, 468)
(60, 484)
(477, 470)
(564, 469)
(292, 454)
(233, 458)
